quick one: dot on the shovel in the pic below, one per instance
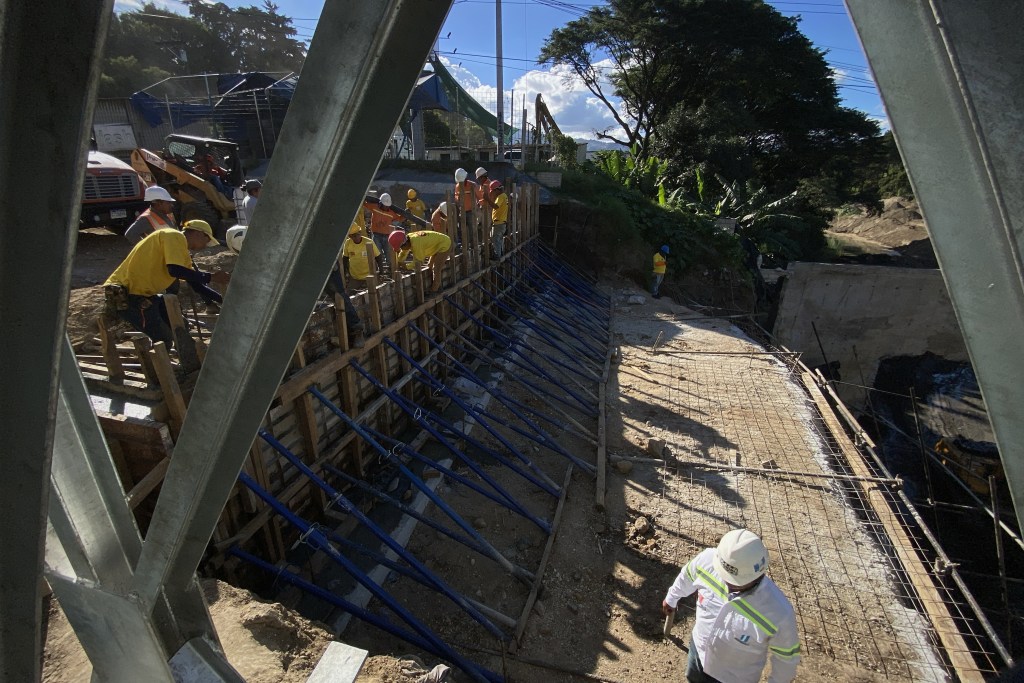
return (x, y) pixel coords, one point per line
(670, 620)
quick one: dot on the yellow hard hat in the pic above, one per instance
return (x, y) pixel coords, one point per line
(203, 227)
(411, 193)
(354, 229)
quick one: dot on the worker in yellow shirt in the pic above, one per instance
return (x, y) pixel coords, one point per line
(353, 255)
(499, 216)
(134, 290)
(660, 263)
(423, 245)
(414, 205)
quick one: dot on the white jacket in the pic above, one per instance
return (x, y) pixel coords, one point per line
(735, 632)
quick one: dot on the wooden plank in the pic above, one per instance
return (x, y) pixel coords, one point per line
(538, 579)
(136, 430)
(148, 483)
(132, 389)
(169, 384)
(142, 345)
(115, 373)
(938, 612)
(183, 342)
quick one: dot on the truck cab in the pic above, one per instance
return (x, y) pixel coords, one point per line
(112, 196)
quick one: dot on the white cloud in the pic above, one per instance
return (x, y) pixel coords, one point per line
(575, 109)
(839, 75)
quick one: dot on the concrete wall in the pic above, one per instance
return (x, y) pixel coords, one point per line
(880, 311)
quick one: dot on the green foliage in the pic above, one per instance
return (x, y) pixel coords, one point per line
(727, 86)
(624, 215)
(565, 151)
(630, 169)
(151, 44)
(894, 182)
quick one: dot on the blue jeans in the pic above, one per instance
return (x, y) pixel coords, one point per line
(694, 669)
(381, 240)
(658, 277)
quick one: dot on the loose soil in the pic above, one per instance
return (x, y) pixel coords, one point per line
(898, 234)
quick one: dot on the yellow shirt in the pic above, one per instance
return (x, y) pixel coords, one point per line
(358, 264)
(144, 271)
(425, 243)
(499, 214)
(416, 207)
(659, 263)
(360, 220)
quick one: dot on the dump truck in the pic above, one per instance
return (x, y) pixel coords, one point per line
(112, 195)
(191, 168)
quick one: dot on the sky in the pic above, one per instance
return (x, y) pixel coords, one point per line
(467, 45)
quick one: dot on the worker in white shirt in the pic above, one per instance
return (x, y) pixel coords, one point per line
(742, 616)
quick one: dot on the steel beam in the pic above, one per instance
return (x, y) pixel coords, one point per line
(94, 543)
(47, 93)
(951, 74)
(361, 66)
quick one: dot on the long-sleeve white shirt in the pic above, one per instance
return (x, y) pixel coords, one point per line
(735, 632)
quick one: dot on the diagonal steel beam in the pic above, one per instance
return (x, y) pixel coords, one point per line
(362, 64)
(46, 104)
(951, 74)
(94, 544)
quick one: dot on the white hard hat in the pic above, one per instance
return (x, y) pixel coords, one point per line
(481, 171)
(443, 208)
(235, 237)
(460, 175)
(740, 557)
(155, 192)
(385, 199)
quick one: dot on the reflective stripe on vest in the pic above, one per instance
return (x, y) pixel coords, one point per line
(741, 605)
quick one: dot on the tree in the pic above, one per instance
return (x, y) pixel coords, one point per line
(727, 86)
(151, 44)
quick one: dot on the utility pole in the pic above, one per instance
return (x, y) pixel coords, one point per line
(501, 84)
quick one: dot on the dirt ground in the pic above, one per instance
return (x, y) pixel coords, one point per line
(715, 400)
(899, 233)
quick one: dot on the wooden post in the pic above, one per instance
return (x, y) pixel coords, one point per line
(115, 371)
(183, 342)
(142, 345)
(169, 384)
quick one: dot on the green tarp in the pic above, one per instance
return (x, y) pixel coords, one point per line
(461, 101)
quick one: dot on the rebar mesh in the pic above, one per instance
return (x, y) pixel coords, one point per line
(739, 406)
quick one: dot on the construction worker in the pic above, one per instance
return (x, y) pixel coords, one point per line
(439, 219)
(415, 205)
(353, 255)
(742, 616)
(160, 214)
(483, 194)
(660, 264)
(499, 216)
(423, 244)
(252, 194)
(465, 192)
(134, 290)
(381, 218)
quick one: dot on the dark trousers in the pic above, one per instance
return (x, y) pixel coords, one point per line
(148, 314)
(336, 287)
(381, 240)
(694, 669)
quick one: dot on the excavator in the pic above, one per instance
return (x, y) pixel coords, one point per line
(198, 172)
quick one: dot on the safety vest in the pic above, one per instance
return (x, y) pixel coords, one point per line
(735, 633)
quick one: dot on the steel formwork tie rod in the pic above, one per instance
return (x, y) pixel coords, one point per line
(474, 413)
(545, 438)
(511, 568)
(347, 506)
(477, 352)
(425, 417)
(502, 497)
(318, 540)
